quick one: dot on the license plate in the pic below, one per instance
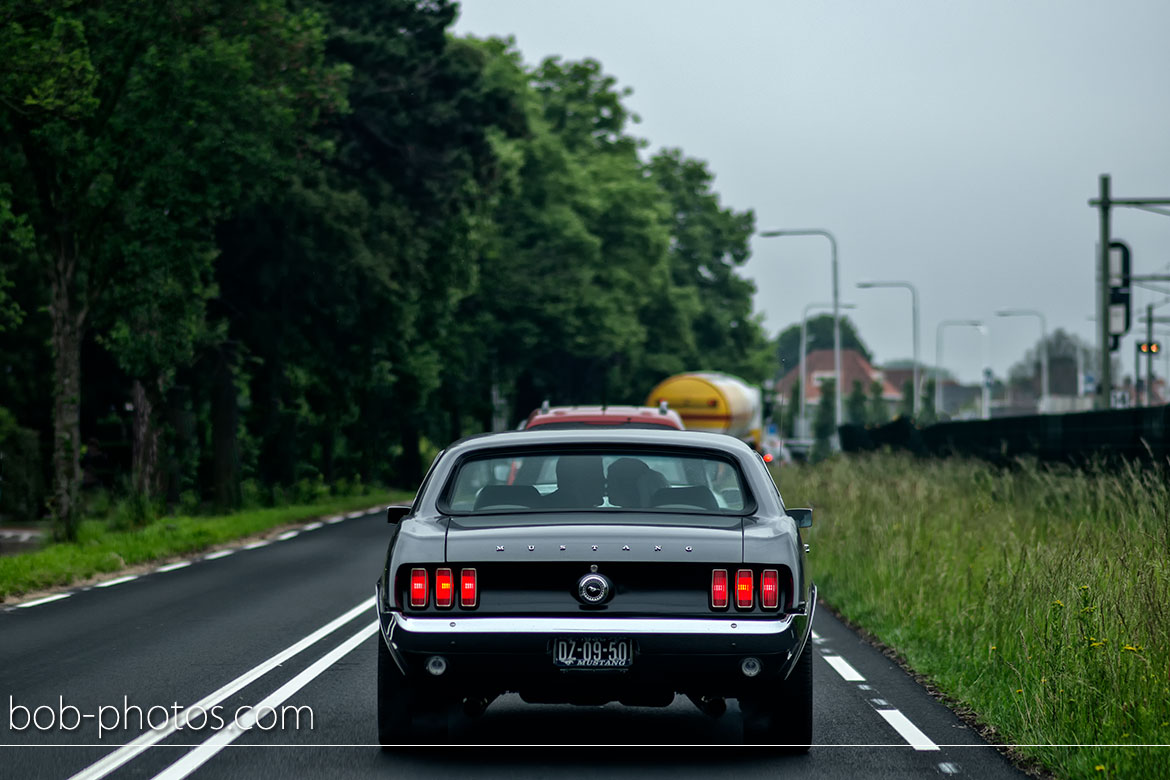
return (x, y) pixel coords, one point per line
(592, 653)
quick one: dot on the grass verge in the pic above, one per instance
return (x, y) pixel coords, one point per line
(1038, 597)
(100, 550)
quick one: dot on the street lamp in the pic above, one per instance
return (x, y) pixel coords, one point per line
(803, 354)
(914, 325)
(1043, 349)
(836, 303)
(938, 351)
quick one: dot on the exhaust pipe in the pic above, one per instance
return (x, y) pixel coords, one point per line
(474, 706)
(712, 706)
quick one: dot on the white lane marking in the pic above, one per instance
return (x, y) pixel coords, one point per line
(864, 688)
(119, 581)
(45, 600)
(907, 730)
(313, 526)
(287, 535)
(843, 668)
(879, 702)
(130, 750)
(949, 768)
(173, 566)
(815, 635)
(256, 545)
(334, 519)
(221, 739)
(220, 554)
(356, 515)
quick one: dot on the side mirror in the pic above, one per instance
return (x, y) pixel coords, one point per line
(803, 517)
(396, 512)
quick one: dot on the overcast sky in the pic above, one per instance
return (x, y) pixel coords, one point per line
(951, 144)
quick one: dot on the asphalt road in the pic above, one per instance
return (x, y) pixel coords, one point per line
(290, 624)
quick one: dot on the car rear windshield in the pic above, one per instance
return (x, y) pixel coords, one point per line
(606, 481)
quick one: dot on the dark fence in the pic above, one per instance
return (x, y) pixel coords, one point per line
(1131, 434)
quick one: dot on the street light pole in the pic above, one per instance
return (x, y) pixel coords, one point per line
(914, 324)
(938, 352)
(836, 303)
(1044, 389)
(803, 355)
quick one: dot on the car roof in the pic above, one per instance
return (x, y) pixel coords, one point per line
(618, 437)
(612, 415)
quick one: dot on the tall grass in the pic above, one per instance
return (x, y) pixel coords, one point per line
(1036, 596)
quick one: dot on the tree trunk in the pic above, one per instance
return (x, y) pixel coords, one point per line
(66, 339)
(146, 436)
(224, 425)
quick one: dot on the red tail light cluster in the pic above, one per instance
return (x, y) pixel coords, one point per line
(719, 589)
(745, 590)
(420, 593)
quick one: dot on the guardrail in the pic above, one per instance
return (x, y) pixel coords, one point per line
(1131, 434)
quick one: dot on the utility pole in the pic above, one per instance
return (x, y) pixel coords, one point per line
(1104, 202)
(1149, 354)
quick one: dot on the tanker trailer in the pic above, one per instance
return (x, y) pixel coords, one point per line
(710, 401)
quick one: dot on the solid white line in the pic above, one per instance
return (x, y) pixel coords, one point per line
(173, 566)
(313, 526)
(256, 545)
(221, 739)
(119, 581)
(908, 731)
(130, 750)
(843, 668)
(287, 535)
(45, 600)
(220, 554)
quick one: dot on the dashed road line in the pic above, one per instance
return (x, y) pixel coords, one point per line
(335, 519)
(215, 555)
(173, 566)
(257, 545)
(948, 768)
(843, 668)
(287, 535)
(907, 730)
(313, 526)
(45, 600)
(119, 581)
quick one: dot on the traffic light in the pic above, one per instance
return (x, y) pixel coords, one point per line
(1150, 347)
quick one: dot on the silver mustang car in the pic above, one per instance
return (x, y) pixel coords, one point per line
(590, 566)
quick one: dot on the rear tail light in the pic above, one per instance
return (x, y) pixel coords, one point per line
(743, 589)
(719, 589)
(468, 588)
(770, 589)
(444, 588)
(418, 587)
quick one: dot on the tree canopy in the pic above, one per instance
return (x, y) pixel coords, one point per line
(254, 246)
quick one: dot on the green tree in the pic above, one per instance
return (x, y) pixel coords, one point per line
(927, 414)
(855, 404)
(879, 412)
(906, 404)
(127, 132)
(824, 421)
(820, 336)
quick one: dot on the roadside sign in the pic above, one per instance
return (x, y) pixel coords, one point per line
(1120, 399)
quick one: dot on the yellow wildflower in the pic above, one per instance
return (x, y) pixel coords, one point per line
(1058, 603)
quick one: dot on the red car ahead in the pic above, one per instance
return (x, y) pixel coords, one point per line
(603, 417)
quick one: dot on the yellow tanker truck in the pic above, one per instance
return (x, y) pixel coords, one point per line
(710, 401)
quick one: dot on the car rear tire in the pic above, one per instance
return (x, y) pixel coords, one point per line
(405, 717)
(783, 714)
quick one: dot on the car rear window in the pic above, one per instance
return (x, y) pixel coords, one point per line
(606, 481)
